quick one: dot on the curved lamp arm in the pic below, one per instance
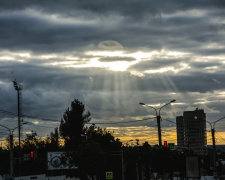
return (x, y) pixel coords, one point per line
(143, 104)
(11, 130)
(210, 124)
(218, 120)
(166, 104)
(5, 127)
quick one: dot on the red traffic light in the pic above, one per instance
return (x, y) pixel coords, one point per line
(32, 154)
(165, 144)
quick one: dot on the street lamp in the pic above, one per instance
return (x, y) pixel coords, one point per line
(122, 160)
(157, 113)
(18, 88)
(212, 125)
(11, 146)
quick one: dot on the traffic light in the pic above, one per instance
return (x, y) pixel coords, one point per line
(32, 154)
(165, 144)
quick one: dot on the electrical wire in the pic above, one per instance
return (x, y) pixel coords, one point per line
(28, 116)
(53, 120)
(121, 122)
(220, 136)
(169, 121)
(42, 126)
(7, 112)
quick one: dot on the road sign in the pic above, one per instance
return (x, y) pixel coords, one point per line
(59, 161)
(109, 175)
(171, 146)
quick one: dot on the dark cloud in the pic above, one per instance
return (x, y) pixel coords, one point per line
(180, 32)
(38, 34)
(29, 28)
(125, 7)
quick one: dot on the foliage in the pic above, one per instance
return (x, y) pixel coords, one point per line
(4, 165)
(93, 155)
(148, 159)
(39, 146)
(73, 122)
(35, 143)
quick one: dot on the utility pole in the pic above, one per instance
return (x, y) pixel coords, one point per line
(157, 113)
(18, 88)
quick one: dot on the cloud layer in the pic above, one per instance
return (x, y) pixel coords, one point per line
(111, 55)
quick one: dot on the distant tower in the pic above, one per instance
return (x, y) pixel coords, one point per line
(191, 133)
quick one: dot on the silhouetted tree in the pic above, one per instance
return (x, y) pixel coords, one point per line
(72, 123)
(98, 151)
(4, 163)
(54, 138)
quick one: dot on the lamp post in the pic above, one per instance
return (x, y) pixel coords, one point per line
(18, 88)
(122, 160)
(11, 147)
(212, 126)
(157, 113)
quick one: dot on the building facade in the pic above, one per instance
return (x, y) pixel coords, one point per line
(180, 131)
(191, 130)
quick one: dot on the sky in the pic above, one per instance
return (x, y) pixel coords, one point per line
(111, 55)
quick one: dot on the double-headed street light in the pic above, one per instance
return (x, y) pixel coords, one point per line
(212, 125)
(11, 146)
(157, 113)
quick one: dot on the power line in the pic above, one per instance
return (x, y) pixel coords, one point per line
(123, 121)
(220, 136)
(42, 126)
(28, 116)
(54, 120)
(7, 112)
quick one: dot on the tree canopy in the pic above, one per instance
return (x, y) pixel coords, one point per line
(72, 123)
